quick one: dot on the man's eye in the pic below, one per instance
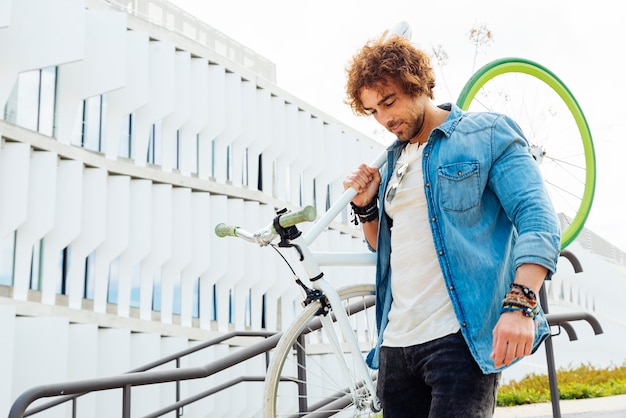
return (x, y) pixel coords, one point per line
(389, 104)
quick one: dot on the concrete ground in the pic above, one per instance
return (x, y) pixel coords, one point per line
(607, 407)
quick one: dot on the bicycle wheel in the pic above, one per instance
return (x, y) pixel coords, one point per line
(556, 128)
(302, 378)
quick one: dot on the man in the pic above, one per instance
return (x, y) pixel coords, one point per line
(464, 232)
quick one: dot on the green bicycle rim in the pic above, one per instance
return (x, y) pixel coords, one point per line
(519, 65)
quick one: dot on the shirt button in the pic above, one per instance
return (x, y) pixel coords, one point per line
(433, 219)
(427, 184)
(463, 324)
(451, 287)
(440, 252)
(460, 173)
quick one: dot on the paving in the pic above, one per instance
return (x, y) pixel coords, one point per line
(607, 407)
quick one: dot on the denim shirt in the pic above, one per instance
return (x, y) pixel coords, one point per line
(489, 212)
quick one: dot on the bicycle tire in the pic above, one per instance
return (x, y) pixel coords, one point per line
(281, 389)
(571, 177)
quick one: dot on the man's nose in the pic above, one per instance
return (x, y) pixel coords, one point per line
(384, 118)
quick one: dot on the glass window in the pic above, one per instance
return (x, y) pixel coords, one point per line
(64, 265)
(7, 257)
(156, 292)
(231, 307)
(114, 280)
(328, 200)
(213, 158)
(264, 311)
(35, 266)
(31, 103)
(259, 185)
(125, 146)
(135, 287)
(248, 309)
(92, 123)
(47, 100)
(214, 310)
(229, 163)
(90, 276)
(195, 304)
(10, 108)
(196, 167)
(28, 100)
(155, 145)
(22, 107)
(177, 151)
(245, 180)
(176, 298)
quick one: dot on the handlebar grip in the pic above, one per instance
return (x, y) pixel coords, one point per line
(222, 230)
(307, 213)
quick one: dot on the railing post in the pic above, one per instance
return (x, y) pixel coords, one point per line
(301, 356)
(552, 376)
(126, 401)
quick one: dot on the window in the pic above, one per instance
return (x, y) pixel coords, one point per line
(126, 137)
(7, 257)
(195, 303)
(90, 276)
(155, 145)
(114, 280)
(135, 287)
(93, 117)
(156, 292)
(35, 266)
(31, 103)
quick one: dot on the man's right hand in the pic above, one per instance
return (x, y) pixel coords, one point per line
(366, 181)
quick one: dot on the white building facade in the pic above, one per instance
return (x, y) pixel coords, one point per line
(129, 130)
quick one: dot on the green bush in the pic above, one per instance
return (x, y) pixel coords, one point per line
(579, 383)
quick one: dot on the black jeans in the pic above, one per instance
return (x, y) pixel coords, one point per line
(436, 379)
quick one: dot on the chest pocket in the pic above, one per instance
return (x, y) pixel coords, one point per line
(459, 186)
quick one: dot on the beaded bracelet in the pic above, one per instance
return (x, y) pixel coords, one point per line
(528, 312)
(525, 290)
(518, 299)
(514, 301)
(365, 213)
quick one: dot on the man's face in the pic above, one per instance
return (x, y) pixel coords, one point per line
(398, 112)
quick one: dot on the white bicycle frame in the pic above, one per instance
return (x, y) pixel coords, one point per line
(311, 263)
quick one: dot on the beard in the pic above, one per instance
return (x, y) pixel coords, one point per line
(412, 128)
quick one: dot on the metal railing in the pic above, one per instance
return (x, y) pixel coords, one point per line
(562, 321)
(144, 375)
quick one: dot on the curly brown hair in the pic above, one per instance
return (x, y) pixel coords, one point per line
(384, 60)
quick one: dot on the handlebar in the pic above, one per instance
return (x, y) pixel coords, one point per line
(265, 235)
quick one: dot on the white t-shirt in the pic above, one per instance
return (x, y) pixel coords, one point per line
(421, 310)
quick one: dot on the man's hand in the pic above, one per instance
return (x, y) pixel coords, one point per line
(365, 180)
(513, 337)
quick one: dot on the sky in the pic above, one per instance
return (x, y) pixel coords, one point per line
(582, 42)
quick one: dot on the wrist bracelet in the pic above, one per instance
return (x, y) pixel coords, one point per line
(528, 312)
(365, 213)
(523, 302)
(529, 293)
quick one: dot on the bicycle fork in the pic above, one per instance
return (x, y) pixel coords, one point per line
(362, 388)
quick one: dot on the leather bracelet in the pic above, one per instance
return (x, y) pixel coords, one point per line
(529, 293)
(365, 213)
